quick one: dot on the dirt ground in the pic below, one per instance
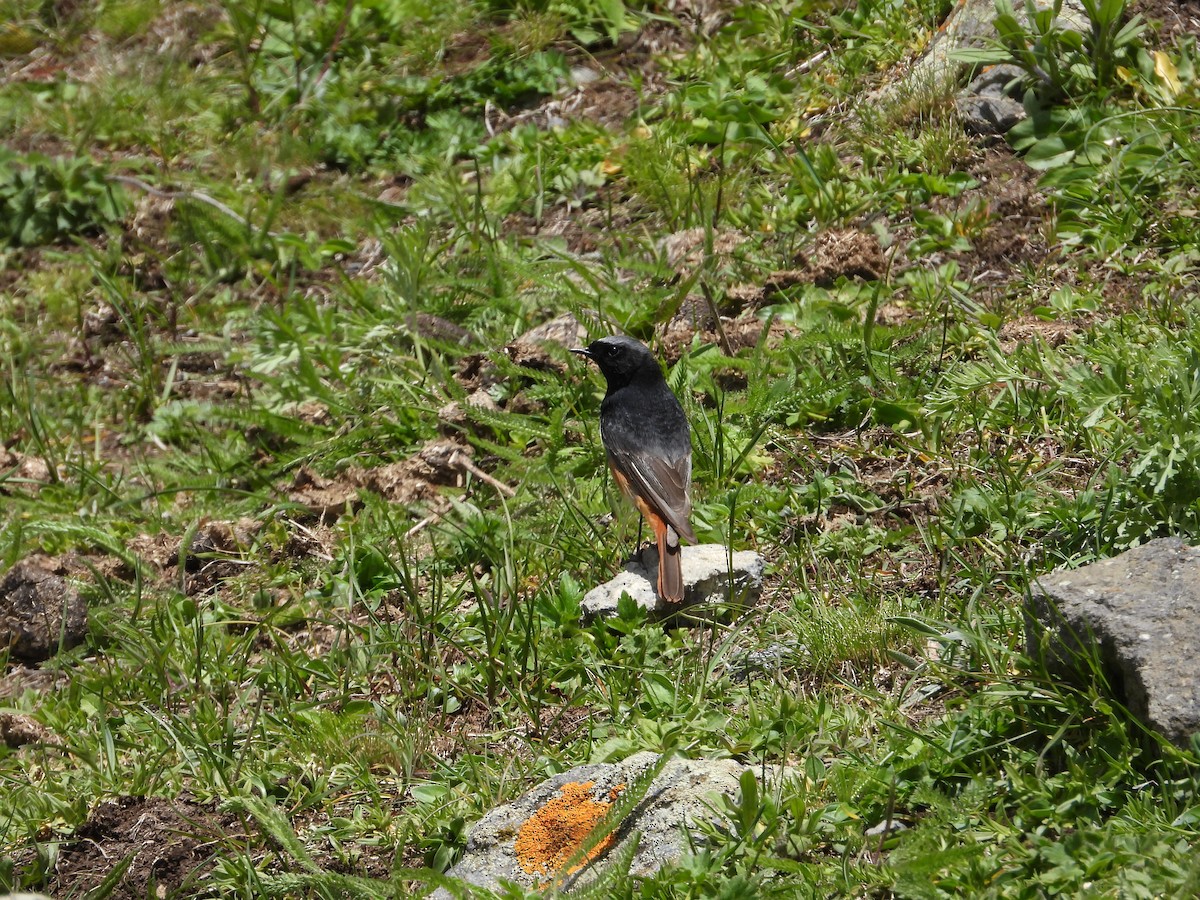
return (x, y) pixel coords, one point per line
(166, 847)
(1168, 19)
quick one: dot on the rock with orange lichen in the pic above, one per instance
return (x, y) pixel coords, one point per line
(559, 828)
(527, 841)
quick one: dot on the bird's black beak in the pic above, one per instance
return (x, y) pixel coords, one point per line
(582, 351)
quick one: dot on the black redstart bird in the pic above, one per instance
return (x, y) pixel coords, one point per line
(649, 447)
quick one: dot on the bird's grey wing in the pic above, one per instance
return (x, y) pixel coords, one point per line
(662, 482)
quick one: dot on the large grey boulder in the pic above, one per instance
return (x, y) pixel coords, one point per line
(528, 840)
(1140, 612)
(713, 579)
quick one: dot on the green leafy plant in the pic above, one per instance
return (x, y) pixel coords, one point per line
(1062, 58)
(45, 200)
(122, 19)
(1117, 178)
(589, 21)
(724, 110)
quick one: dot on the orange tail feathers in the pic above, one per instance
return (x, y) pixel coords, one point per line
(670, 569)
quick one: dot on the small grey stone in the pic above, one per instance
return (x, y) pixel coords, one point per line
(583, 75)
(887, 826)
(433, 327)
(39, 611)
(991, 103)
(985, 114)
(1140, 613)
(565, 330)
(711, 578)
(998, 81)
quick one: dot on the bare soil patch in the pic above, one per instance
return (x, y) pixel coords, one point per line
(322, 500)
(1169, 20)
(17, 730)
(40, 612)
(833, 254)
(1014, 235)
(215, 552)
(597, 223)
(169, 846)
(608, 102)
(22, 473)
(19, 679)
(732, 334)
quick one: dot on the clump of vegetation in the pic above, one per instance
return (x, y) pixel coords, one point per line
(46, 200)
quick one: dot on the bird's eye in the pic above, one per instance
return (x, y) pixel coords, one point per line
(611, 350)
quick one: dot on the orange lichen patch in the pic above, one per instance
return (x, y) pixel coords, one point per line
(552, 834)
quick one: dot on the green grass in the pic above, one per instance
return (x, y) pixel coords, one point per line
(355, 692)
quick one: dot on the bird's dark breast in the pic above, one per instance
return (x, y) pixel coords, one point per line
(645, 420)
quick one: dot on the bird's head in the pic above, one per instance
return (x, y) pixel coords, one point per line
(621, 359)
